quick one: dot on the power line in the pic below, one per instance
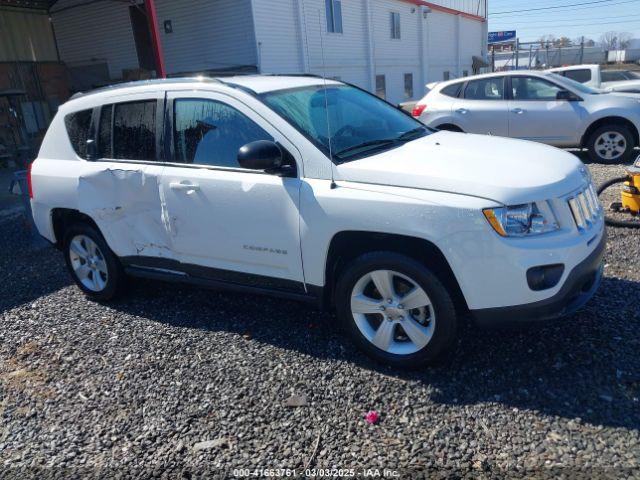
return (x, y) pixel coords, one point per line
(580, 24)
(557, 6)
(555, 22)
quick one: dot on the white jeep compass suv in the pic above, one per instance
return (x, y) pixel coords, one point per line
(319, 191)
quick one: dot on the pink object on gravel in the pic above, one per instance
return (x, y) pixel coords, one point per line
(372, 417)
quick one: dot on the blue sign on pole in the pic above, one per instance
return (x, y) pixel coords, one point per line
(497, 37)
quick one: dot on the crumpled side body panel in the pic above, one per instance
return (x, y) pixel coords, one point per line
(129, 208)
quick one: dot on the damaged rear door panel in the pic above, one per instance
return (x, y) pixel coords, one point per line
(121, 188)
(125, 201)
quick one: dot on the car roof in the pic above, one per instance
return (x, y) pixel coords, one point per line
(538, 73)
(255, 83)
(584, 66)
(269, 83)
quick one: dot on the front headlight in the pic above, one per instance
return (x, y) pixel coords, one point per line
(522, 220)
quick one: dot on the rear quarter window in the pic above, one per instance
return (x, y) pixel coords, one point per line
(452, 90)
(78, 124)
(582, 75)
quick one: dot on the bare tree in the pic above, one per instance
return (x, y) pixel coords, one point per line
(615, 40)
(609, 40)
(547, 39)
(562, 42)
(624, 39)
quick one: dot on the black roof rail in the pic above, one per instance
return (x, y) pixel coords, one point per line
(141, 83)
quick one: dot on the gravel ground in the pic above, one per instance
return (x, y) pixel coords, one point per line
(135, 387)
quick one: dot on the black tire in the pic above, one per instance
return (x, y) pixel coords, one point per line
(446, 324)
(115, 280)
(617, 128)
(450, 128)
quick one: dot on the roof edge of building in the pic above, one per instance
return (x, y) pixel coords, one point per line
(450, 11)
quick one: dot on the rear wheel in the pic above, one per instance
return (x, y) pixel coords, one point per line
(611, 143)
(396, 310)
(449, 127)
(93, 266)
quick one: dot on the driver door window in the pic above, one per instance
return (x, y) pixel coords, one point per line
(530, 88)
(208, 132)
(535, 113)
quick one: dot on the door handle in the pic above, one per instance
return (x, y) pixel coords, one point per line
(184, 186)
(463, 111)
(519, 111)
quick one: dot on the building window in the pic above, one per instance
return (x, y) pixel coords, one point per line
(381, 86)
(395, 25)
(446, 75)
(334, 15)
(408, 86)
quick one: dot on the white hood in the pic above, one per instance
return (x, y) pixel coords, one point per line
(501, 169)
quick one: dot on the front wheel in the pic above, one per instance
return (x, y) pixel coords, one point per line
(611, 144)
(396, 310)
(93, 266)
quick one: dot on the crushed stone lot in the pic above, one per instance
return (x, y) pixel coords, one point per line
(179, 382)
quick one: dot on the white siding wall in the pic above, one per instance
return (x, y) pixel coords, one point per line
(207, 34)
(284, 36)
(442, 45)
(395, 57)
(470, 33)
(100, 32)
(345, 54)
(474, 7)
(278, 36)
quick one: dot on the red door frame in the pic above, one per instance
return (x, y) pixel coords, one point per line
(152, 16)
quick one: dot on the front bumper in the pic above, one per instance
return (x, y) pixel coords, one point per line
(579, 286)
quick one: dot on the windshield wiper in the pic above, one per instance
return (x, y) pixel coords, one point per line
(365, 146)
(412, 134)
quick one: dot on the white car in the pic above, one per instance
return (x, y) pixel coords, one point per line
(538, 106)
(236, 183)
(609, 80)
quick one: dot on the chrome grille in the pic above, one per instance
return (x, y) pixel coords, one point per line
(585, 207)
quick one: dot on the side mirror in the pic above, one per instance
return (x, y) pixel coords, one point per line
(566, 95)
(260, 155)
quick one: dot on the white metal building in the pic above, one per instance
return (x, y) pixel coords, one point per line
(392, 47)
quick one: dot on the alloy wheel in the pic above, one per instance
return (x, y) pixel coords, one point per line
(393, 312)
(610, 145)
(88, 263)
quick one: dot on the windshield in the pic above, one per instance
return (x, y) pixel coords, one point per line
(576, 85)
(360, 123)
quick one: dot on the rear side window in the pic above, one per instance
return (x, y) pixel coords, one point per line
(485, 89)
(452, 90)
(134, 130)
(78, 125)
(613, 76)
(582, 75)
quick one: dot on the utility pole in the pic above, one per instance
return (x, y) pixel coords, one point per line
(582, 49)
(493, 58)
(517, 49)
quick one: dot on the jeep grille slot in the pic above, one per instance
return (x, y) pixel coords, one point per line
(585, 207)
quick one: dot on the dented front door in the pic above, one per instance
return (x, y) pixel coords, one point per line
(241, 225)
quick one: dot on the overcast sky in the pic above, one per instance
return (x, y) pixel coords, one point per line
(573, 19)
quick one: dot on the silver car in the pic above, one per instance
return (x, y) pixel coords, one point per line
(538, 106)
